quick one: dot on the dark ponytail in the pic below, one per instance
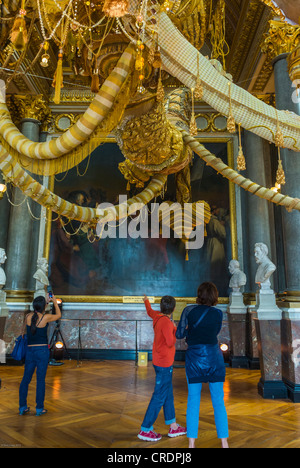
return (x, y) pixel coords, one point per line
(39, 305)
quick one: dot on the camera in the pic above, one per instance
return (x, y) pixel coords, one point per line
(50, 293)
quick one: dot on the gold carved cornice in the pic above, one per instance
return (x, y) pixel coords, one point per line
(246, 38)
(269, 99)
(282, 38)
(274, 8)
(29, 107)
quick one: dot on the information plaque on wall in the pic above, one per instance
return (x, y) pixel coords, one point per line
(178, 310)
(137, 299)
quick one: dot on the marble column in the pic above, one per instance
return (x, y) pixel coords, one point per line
(260, 218)
(291, 165)
(43, 211)
(4, 217)
(20, 233)
(280, 336)
(259, 227)
(279, 43)
(291, 235)
(23, 231)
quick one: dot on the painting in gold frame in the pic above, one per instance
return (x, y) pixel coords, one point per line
(226, 144)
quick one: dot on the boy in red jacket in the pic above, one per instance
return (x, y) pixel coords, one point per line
(163, 354)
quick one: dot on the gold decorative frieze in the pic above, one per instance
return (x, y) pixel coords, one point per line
(246, 39)
(75, 96)
(206, 122)
(263, 77)
(211, 122)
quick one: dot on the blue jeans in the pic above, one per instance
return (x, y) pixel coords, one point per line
(193, 409)
(37, 358)
(162, 398)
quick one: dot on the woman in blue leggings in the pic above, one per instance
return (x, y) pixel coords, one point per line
(200, 324)
(37, 355)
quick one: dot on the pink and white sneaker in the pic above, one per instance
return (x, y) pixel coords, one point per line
(150, 436)
(177, 432)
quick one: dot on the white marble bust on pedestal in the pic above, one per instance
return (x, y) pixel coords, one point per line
(3, 307)
(41, 277)
(265, 267)
(265, 296)
(238, 278)
(3, 259)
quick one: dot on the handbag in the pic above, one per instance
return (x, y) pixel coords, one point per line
(20, 349)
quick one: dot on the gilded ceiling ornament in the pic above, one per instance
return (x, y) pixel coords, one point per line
(160, 93)
(289, 8)
(193, 124)
(241, 162)
(29, 107)
(282, 38)
(58, 78)
(148, 140)
(280, 175)
(220, 48)
(198, 93)
(230, 121)
(116, 8)
(19, 36)
(191, 19)
(279, 139)
(152, 144)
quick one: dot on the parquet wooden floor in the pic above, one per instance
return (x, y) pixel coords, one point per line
(102, 404)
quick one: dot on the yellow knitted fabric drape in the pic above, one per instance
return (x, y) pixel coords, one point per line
(179, 58)
(67, 161)
(84, 127)
(14, 173)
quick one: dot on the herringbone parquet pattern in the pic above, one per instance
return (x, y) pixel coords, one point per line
(102, 404)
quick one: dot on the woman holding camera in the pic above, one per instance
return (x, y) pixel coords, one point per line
(37, 355)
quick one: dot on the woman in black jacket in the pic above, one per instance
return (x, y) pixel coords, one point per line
(200, 325)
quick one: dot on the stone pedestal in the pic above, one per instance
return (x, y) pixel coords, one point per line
(271, 385)
(3, 313)
(266, 307)
(237, 318)
(268, 329)
(291, 352)
(252, 349)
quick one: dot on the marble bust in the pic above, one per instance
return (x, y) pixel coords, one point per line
(265, 267)
(238, 278)
(41, 277)
(2, 274)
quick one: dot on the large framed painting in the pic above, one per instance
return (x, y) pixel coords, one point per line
(114, 267)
